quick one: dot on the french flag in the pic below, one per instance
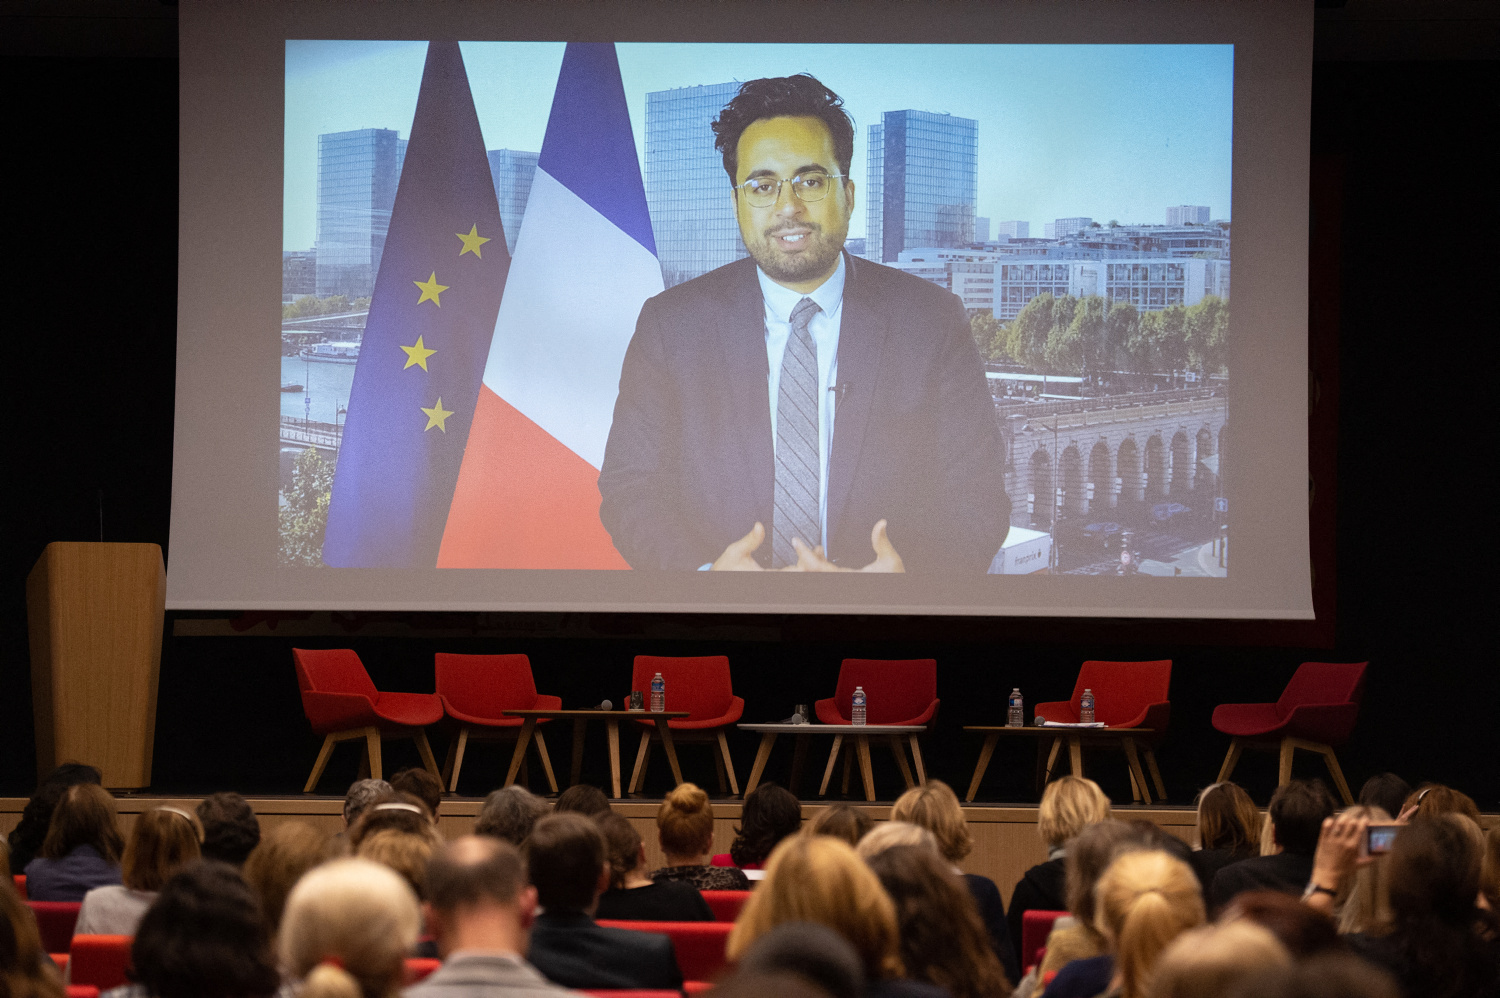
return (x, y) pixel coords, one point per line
(585, 262)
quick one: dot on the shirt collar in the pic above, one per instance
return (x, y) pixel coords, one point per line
(781, 300)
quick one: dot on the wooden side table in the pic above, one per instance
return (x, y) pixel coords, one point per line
(580, 719)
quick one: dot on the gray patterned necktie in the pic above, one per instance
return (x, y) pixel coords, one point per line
(797, 466)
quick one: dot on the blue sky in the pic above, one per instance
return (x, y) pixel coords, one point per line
(1107, 131)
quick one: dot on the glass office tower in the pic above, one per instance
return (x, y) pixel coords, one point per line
(687, 190)
(923, 182)
(512, 170)
(357, 176)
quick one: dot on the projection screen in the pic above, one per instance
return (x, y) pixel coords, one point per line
(768, 307)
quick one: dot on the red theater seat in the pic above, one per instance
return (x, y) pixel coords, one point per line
(1126, 695)
(101, 961)
(342, 703)
(897, 691)
(1036, 926)
(627, 993)
(418, 967)
(81, 991)
(1316, 712)
(699, 945)
(20, 882)
(55, 921)
(476, 691)
(702, 687)
(726, 905)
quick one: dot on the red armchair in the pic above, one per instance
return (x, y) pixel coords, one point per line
(54, 922)
(1126, 695)
(699, 946)
(100, 961)
(897, 691)
(701, 686)
(342, 703)
(476, 690)
(1316, 712)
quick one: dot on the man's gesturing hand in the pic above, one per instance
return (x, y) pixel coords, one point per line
(886, 559)
(739, 556)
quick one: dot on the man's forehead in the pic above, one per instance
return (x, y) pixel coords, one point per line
(768, 142)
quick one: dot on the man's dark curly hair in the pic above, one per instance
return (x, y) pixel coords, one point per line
(204, 938)
(769, 815)
(800, 96)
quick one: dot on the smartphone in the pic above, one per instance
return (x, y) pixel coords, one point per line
(1379, 839)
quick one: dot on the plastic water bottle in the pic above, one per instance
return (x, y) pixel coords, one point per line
(1017, 717)
(857, 711)
(1086, 707)
(658, 694)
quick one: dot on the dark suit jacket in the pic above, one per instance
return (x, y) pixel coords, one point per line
(992, 914)
(689, 465)
(1285, 872)
(571, 949)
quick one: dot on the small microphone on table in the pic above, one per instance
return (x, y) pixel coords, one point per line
(605, 705)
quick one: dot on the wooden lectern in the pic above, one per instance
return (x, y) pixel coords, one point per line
(94, 614)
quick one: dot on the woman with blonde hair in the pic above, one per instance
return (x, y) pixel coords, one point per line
(842, 821)
(889, 834)
(163, 841)
(685, 829)
(284, 854)
(347, 928)
(1363, 902)
(1228, 830)
(1209, 962)
(1069, 805)
(820, 879)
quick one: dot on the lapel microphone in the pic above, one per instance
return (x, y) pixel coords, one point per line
(839, 391)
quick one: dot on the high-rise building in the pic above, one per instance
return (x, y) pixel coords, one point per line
(511, 171)
(687, 190)
(299, 274)
(1013, 230)
(923, 173)
(357, 176)
(1064, 227)
(1187, 214)
(981, 229)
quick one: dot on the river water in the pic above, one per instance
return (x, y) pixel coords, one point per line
(327, 384)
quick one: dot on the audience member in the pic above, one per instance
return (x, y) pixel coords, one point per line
(934, 806)
(1386, 791)
(888, 834)
(810, 952)
(1069, 805)
(566, 858)
(1297, 811)
(1304, 931)
(25, 840)
(347, 928)
(481, 909)
(633, 896)
(421, 784)
(1363, 903)
(1432, 799)
(230, 828)
(82, 848)
(581, 798)
(758, 984)
(1331, 976)
(362, 793)
(820, 879)
(1144, 900)
(1206, 962)
(5, 874)
(509, 813)
(203, 938)
(1489, 869)
(404, 852)
(285, 853)
(1228, 831)
(942, 940)
(685, 829)
(1075, 938)
(396, 812)
(842, 821)
(26, 971)
(769, 815)
(163, 841)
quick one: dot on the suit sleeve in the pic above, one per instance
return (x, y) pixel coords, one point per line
(640, 480)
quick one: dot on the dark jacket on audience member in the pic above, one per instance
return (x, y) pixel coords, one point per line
(905, 988)
(1285, 872)
(1083, 978)
(992, 914)
(71, 877)
(1041, 888)
(570, 949)
(663, 901)
(1206, 863)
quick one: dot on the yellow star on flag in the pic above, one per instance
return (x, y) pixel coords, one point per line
(472, 241)
(436, 416)
(430, 290)
(417, 356)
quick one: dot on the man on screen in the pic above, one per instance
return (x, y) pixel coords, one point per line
(802, 410)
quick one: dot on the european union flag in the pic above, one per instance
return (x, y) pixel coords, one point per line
(426, 339)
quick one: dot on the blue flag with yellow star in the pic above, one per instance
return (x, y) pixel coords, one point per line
(427, 337)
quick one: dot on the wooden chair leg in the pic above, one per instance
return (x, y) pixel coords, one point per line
(1137, 776)
(849, 755)
(833, 756)
(734, 784)
(1052, 759)
(1284, 771)
(642, 755)
(456, 756)
(985, 751)
(424, 749)
(1230, 760)
(318, 767)
(448, 760)
(1161, 788)
(916, 758)
(372, 748)
(541, 752)
(1337, 774)
(900, 756)
(719, 772)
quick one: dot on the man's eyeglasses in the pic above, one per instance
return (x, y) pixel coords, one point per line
(810, 187)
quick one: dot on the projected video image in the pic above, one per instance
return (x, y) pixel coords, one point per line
(949, 310)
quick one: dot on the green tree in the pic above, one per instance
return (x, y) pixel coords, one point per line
(1119, 327)
(1207, 335)
(988, 336)
(1064, 350)
(1027, 340)
(1140, 345)
(1171, 340)
(304, 518)
(1087, 330)
(335, 304)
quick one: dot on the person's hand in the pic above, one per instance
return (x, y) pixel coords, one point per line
(812, 559)
(1338, 852)
(739, 556)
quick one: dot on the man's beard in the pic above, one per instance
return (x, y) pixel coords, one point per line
(817, 260)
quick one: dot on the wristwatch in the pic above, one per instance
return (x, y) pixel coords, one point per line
(1313, 887)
